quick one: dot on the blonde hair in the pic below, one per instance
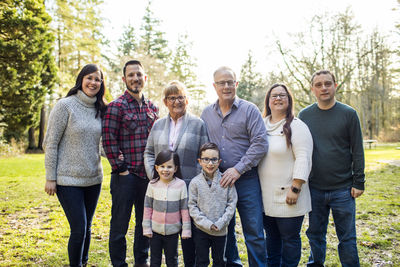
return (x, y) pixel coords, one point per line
(174, 87)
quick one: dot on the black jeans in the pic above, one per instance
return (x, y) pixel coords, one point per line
(203, 242)
(168, 243)
(189, 250)
(126, 191)
(79, 204)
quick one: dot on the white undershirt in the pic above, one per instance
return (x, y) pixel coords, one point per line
(174, 129)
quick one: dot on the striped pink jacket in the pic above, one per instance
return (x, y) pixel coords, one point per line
(166, 209)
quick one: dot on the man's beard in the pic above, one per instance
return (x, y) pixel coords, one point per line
(134, 90)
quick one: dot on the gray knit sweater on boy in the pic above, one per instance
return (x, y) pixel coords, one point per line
(210, 205)
(72, 142)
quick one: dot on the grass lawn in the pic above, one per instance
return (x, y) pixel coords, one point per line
(34, 230)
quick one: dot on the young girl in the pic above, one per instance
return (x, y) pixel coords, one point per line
(166, 210)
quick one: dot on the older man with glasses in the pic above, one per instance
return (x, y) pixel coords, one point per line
(236, 126)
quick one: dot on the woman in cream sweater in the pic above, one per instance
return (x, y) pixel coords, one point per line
(72, 159)
(283, 176)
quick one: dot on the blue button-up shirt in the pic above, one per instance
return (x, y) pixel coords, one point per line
(240, 135)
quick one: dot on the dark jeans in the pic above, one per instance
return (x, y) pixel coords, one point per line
(250, 209)
(189, 250)
(127, 191)
(283, 240)
(203, 243)
(168, 243)
(343, 209)
(79, 204)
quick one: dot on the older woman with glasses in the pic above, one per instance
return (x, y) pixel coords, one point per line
(182, 133)
(283, 176)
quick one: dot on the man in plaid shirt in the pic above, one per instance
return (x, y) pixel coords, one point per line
(126, 126)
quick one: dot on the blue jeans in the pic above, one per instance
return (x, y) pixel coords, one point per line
(250, 210)
(283, 240)
(79, 204)
(126, 191)
(343, 209)
(203, 243)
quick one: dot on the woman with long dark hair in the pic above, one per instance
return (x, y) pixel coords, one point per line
(72, 157)
(283, 176)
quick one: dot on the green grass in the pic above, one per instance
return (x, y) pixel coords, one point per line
(34, 230)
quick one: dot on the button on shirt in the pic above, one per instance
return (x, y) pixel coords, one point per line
(240, 135)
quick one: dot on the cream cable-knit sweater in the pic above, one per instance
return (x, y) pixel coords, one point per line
(72, 142)
(281, 164)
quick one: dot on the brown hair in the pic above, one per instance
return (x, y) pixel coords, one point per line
(164, 156)
(319, 72)
(289, 112)
(207, 146)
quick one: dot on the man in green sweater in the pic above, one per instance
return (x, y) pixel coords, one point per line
(337, 175)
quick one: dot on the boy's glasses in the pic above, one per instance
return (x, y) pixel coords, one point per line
(208, 160)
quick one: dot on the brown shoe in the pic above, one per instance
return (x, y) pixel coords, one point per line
(142, 265)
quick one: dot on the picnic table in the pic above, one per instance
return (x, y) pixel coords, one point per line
(370, 142)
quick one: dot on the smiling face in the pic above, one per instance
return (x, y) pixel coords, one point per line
(176, 104)
(278, 100)
(166, 171)
(225, 85)
(206, 161)
(135, 79)
(91, 83)
(324, 89)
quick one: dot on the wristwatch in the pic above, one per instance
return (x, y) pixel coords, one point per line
(295, 189)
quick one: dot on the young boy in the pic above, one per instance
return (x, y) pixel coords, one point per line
(211, 208)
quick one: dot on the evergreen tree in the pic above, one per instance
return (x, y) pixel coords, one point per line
(183, 64)
(128, 42)
(182, 69)
(251, 86)
(152, 41)
(78, 25)
(27, 65)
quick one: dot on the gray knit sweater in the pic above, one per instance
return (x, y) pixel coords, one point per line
(210, 205)
(72, 142)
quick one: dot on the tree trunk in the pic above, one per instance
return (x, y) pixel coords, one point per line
(42, 124)
(31, 138)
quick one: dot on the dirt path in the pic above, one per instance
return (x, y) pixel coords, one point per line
(391, 162)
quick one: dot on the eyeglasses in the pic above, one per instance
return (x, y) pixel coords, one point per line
(96, 80)
(326, 84)
(222, 83)
(281, 96)
(172, 99)
(208, 160)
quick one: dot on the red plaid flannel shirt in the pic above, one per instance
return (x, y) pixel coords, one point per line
(126, 127)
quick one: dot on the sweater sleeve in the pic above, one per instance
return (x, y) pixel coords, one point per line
(149, 157)
(197, 215)
(229, 209)
(57, 124)
(302, 146)
(357, 150)
(186, 226)
(148, 211)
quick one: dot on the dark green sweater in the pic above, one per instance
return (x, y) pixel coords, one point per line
(338, 155)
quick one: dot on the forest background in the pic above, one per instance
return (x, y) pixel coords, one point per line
(44, 44)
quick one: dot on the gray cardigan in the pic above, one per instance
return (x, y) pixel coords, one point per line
(210, 205)
(192, 135)
(72, 142)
